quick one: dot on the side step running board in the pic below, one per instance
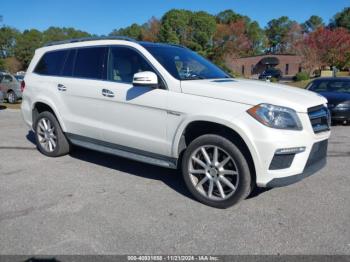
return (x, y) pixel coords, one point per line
(121, 151)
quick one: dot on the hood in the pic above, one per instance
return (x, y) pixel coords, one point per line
(335, 98)
(253, 92)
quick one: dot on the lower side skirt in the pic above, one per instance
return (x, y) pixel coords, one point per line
(122, 151)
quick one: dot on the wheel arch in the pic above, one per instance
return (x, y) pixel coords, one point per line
(42, 106)
(194, 128)
(7, 93)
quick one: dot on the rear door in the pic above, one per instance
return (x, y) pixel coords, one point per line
(71, 79)
(80, 84)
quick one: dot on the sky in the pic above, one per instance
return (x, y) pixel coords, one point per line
(102, 16)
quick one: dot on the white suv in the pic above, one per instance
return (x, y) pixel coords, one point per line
(165, 105)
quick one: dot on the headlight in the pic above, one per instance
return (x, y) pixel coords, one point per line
(276, 116)
(343, 105)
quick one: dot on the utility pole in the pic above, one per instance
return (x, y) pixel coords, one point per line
(335, 71)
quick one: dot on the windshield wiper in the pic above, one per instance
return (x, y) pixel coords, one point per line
(193, 77)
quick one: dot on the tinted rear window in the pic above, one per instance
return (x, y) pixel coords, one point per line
(51, 63)
(69, 63)
(89, 63)
(330, 86)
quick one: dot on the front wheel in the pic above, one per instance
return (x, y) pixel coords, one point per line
(216, 172)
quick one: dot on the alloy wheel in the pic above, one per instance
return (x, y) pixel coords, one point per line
(213, 172)
(11, 98)
(46, 135)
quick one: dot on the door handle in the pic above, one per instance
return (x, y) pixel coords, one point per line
(61, 87)
(107, 93)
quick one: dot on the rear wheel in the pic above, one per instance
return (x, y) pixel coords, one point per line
(11, 97)
(216, 172)
(50, 139)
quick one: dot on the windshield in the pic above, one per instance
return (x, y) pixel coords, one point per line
(184, 64)
(331, 86)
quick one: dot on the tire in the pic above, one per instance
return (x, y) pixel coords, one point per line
(11, 97)
(50, 133)
(235, 170)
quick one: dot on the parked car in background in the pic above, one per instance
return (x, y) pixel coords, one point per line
(10, 87)
(19, 77)
(1, 97)
(21, 73)
(271, 73)
(337, 91)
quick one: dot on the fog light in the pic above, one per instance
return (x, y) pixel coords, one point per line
(291, 150)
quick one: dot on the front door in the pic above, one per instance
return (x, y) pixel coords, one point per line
(133, 116)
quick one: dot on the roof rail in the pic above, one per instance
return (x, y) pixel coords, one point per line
(160, 43)
(85, 39)
(178, 45)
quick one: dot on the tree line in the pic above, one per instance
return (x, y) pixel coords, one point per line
(220, 37)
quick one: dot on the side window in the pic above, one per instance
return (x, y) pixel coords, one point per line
(89, 62)
(69, 63)
(320, 86)
(346, 86)
(51, 63)
(124, 63)
(7, 79)
(335, 85)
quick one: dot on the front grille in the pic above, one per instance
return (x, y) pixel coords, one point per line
(319, 118)
(318, 153)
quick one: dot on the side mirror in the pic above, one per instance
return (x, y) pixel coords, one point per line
(146, 78)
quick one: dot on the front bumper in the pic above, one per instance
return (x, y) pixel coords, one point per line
(316, 161)
(265, 142)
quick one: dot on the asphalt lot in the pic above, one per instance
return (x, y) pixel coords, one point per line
(92, 203)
